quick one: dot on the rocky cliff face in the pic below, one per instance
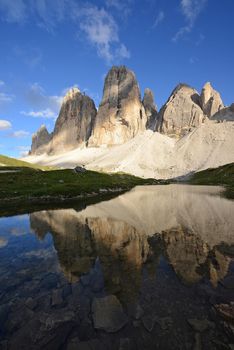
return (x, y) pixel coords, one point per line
(75, 121)
(121, 114)
(40, 141)
(211, 101)
(181, 112)
(150, 109)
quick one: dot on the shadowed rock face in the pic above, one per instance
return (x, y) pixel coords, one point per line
(225, 114)
(40, 141)
(181, 112)
(211, 101)
(75, 121)
(121, 114)
(150, 109)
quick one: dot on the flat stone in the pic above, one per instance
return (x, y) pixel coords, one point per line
(31, 303)
(138, 312)
(200, 325)
(148, 322)
(124, 344)
(93, 344)
(228, 282)
(73, 344)
(108, 314)
(4, 311)
(85, 280)
(57, 297)
(198, 344)
(165, 322)
(226, 311)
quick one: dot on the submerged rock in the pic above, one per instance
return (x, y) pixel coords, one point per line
(108, 314)
(200, 325)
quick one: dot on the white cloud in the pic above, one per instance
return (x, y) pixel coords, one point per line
(23, 150)
(19, 134)
(5, 97)
(46, 105)
(190, 10)
(200, 39)
(4, 124)
(100, 29)
(122, 52)
(122, 6)
(13, 11)
(160, 17)
(193, 60)
(46, 113)
(97, 24)
(31, 56)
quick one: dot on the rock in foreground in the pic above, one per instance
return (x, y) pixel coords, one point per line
(108, 314)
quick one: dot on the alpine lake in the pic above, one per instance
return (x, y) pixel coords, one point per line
(152, 268)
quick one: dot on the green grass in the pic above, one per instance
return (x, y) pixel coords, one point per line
(27, 183)
(223, 175)
(12, 162)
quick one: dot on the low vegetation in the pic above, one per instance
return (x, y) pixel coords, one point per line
(12, 162)
(223, 175)
(23, 183)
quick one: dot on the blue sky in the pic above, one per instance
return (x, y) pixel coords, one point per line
(48, 46)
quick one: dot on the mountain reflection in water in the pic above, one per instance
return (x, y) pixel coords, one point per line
(188, 224)
(165, 248)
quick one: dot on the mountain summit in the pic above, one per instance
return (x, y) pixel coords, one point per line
(122, 114)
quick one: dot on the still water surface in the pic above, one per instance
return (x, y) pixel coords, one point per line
(149, 269)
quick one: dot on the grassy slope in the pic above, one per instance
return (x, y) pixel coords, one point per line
(29, 183)
(12, 162)
(223, 175)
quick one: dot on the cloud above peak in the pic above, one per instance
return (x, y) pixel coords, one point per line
(190, 9)
(5, 124)
(102, 32)
(97, 24)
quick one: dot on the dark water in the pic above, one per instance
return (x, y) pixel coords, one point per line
(150, 269)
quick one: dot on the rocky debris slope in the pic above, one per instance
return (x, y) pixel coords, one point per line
(75, 121)
(40, 141)
(181, 112)
(211, 101)
(151, 154)
(121, 115)
(150, 109)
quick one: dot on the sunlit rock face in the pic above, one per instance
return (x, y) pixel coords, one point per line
(181, 113)
(40, 141)
(189, 224)
(121, 114)
(75, 121)
(211, 101)
(150, 109)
